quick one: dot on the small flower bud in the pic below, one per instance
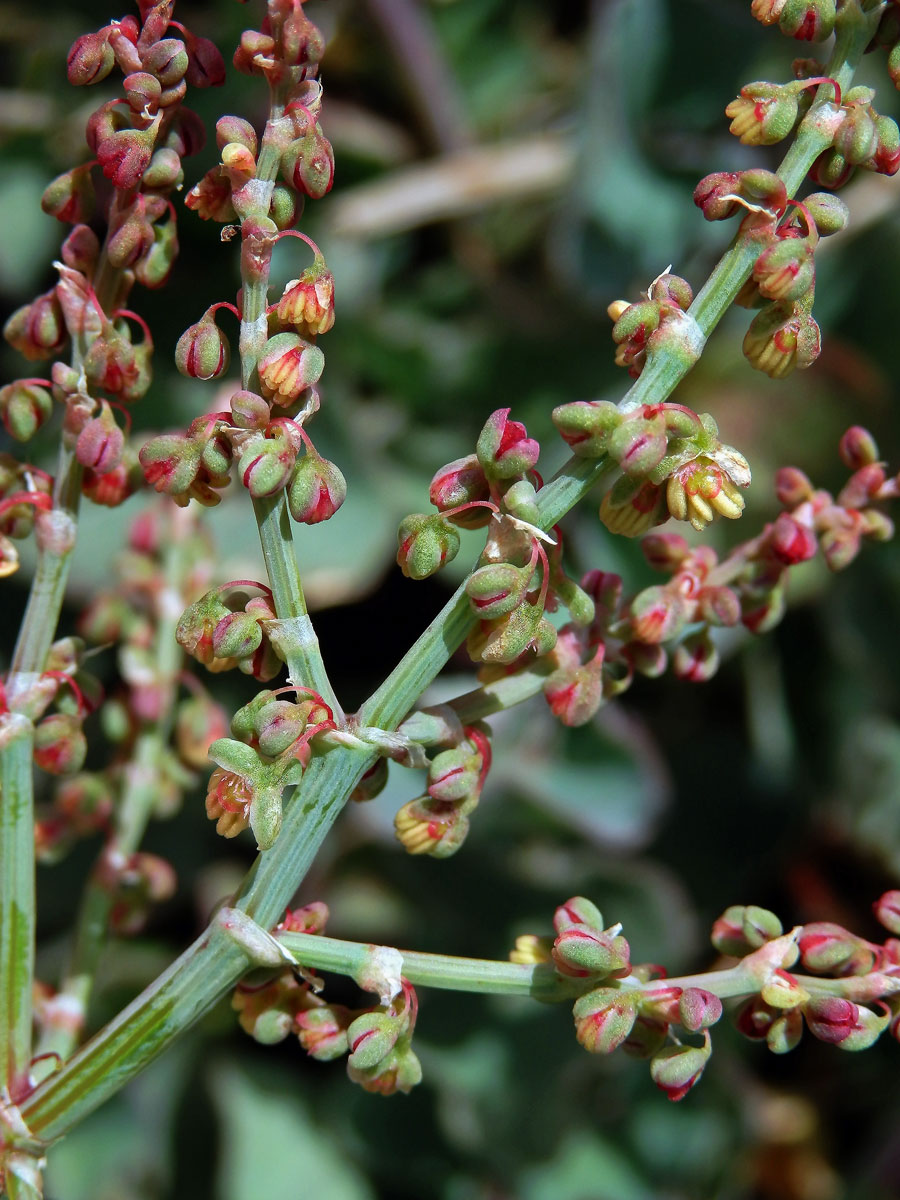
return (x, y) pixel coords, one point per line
(675, 1069)
(308, 163)
(236, 635)
(316, 489)
(70, 197)
(100, 443)
(831, 169)
(858, 448)
(322, 1032)
(575, 695)
(504, 448)
(37, 330)
(170, 463)
(698, 1009)
(426, 543)
(265, 816)
(168, 60)
(60, 746)
(586, 426)
(250, 411)
(371, 1037)
(236, 129)
(164, 171)
(792, 542)
(24, 407)
(743, 928)
(639, 443)
(503, 639)
(577, 911)
(423, 827)
(287, 367)
(696, 659)
(125, 154)
(792, 487)
(831, 1019)
(664, 551)
(829, 212)
(279, 724)
(454, 774)
(827, 947)
(266, 463)
(461, 482)
(203, 351)
(582, 951)
(657, 614)
(90, 59)
(785, 1031)
(767, 11)
(81, 249)
(807, 20)
(604, 1018)
(497, 588)
(887, 910)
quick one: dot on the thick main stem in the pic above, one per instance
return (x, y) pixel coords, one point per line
(16, 901)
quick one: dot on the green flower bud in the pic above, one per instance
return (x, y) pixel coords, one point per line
(426, 543)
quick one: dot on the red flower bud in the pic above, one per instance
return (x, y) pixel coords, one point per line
(203, 351)
(100, 443)
(887, 910)
(831, 1018)
(59, 744)
(792, 487)
(792, 542)
(858, 448)
(125, 154)
(461, 482)
(90, 59)
(698, 1009)
(504, 448)
(316, 490)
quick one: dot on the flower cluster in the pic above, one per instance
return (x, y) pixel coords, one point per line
(659, 321)
(437, 822)
(850, 996)
(138, 142)
(262, 435)
(271, 747)
(377, 1040)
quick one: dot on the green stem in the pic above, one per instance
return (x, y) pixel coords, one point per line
(207, 969)
(296, 639)
(485, 976)
(540, 981)
(17, 906)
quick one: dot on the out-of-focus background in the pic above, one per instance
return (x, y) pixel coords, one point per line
(505, 169)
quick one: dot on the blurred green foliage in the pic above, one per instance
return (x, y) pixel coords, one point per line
(778, 783)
